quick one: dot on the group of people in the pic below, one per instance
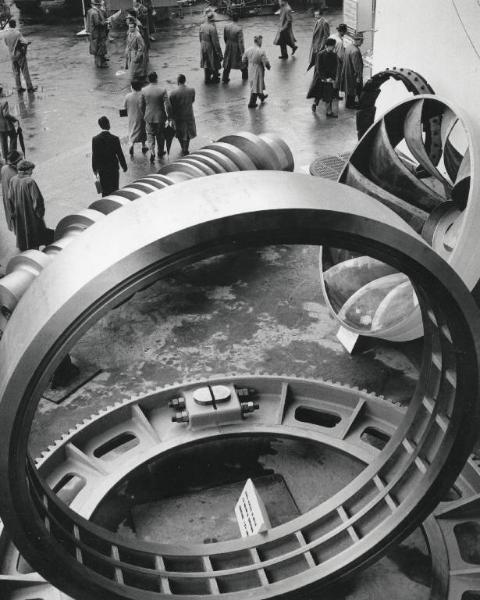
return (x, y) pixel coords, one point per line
(338, 67)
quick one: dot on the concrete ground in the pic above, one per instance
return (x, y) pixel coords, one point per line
(256, 310)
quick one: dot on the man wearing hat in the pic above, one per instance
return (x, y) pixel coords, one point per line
(210, 52)
(98, 33)
(27, 208)
(6, 173)
(351, 79)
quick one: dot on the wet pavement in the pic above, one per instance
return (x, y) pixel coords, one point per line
(60, 119)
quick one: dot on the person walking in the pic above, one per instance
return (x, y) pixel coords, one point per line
(136, 124)
(210, 52)
(27, 208)
(107, 154)
(351, 79)
(17, 48)
(321, 32)
(284, 36)
(8, 171)
(256, 61)
(234, 49)
(340, 46)
(136, 53)
(181, 101)
(97, 30)
(156, 110)
(323, 86)
(8, 134)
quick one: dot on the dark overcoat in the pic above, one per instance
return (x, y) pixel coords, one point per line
(210, 52)
(181, 101)
(285, 30)
(234, 46)
(27, 208)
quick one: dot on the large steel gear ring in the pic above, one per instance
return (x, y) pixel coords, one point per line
(104, 266)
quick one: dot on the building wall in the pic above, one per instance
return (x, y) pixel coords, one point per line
(438, 38)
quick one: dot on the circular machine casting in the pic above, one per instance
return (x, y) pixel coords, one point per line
(428, 181)
(379, 507)
(97, 456)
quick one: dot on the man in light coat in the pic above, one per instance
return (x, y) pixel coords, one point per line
(256, 61)
(17, 48)
(156, 111)
(181, 101)
(210, 52)
(234, 49)
(285, 35)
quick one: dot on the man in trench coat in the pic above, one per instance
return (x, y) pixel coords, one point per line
(256, 61)
(210, 52)
(321, 33)
(351, 79)
(234, 49)
(98, 33)
(285, 35)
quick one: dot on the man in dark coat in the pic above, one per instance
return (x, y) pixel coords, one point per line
(181, 101)
(285, 35)
(210, 52)
(27, 208)
(8, 133)
(351, 79)
(106, 155)
(98, 33)
(321, 32)
(7, 172)
(234, 49)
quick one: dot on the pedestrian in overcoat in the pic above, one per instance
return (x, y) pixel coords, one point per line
(234, 49)
(351, 80)
(98, 33)
(136, 54)
(27, 208)
(210, 52)
(284, 36)
(256, 61)
(136, 123)
(340, 46)
(323, 86)
(321, 32)
(181, 102)
(7, 172)
(8, 133)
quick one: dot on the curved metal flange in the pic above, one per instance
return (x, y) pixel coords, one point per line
(269, 151)
(414, 83)
(417, 188)
(386, 501)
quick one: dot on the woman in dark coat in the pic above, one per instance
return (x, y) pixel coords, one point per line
(27, 208)
(323, 86)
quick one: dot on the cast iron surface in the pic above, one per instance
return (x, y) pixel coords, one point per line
(391, 496)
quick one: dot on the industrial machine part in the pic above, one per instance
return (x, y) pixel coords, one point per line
(413, 81)
(303, 408)
(425, 179)
(390, 497)
(242, 151)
